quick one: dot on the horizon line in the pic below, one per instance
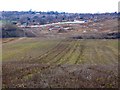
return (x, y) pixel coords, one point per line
(57, 11)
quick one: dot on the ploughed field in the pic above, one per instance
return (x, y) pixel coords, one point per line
(65, 62)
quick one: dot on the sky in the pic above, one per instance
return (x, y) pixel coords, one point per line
(71, 6)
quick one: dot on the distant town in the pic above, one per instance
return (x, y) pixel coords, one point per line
(28, 18)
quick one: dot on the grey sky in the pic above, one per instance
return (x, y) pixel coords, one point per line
(79, 6)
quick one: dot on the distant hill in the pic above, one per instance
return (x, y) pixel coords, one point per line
(41, 18)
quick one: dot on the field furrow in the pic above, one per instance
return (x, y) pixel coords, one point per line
(75, 62)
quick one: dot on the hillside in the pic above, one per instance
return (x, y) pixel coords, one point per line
(74, 53)
(10, 30)
(93, 30)
(60, 63)
(52, 24)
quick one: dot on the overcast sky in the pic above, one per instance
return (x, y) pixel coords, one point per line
(79, 6)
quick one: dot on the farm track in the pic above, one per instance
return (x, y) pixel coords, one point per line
(81, 50)
(56, 57)
(110, 54)
(54, 64)
(28, 70)
(62, 54)
(70, 55)
(25, 71)
(97, 56)
(49, 52)
(56, 53)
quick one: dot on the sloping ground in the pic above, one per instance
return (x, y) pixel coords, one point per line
(114, 35)
(106, 29)
(61, 63)
(10, 31)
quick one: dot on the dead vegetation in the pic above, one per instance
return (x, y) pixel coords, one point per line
(69, 64)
